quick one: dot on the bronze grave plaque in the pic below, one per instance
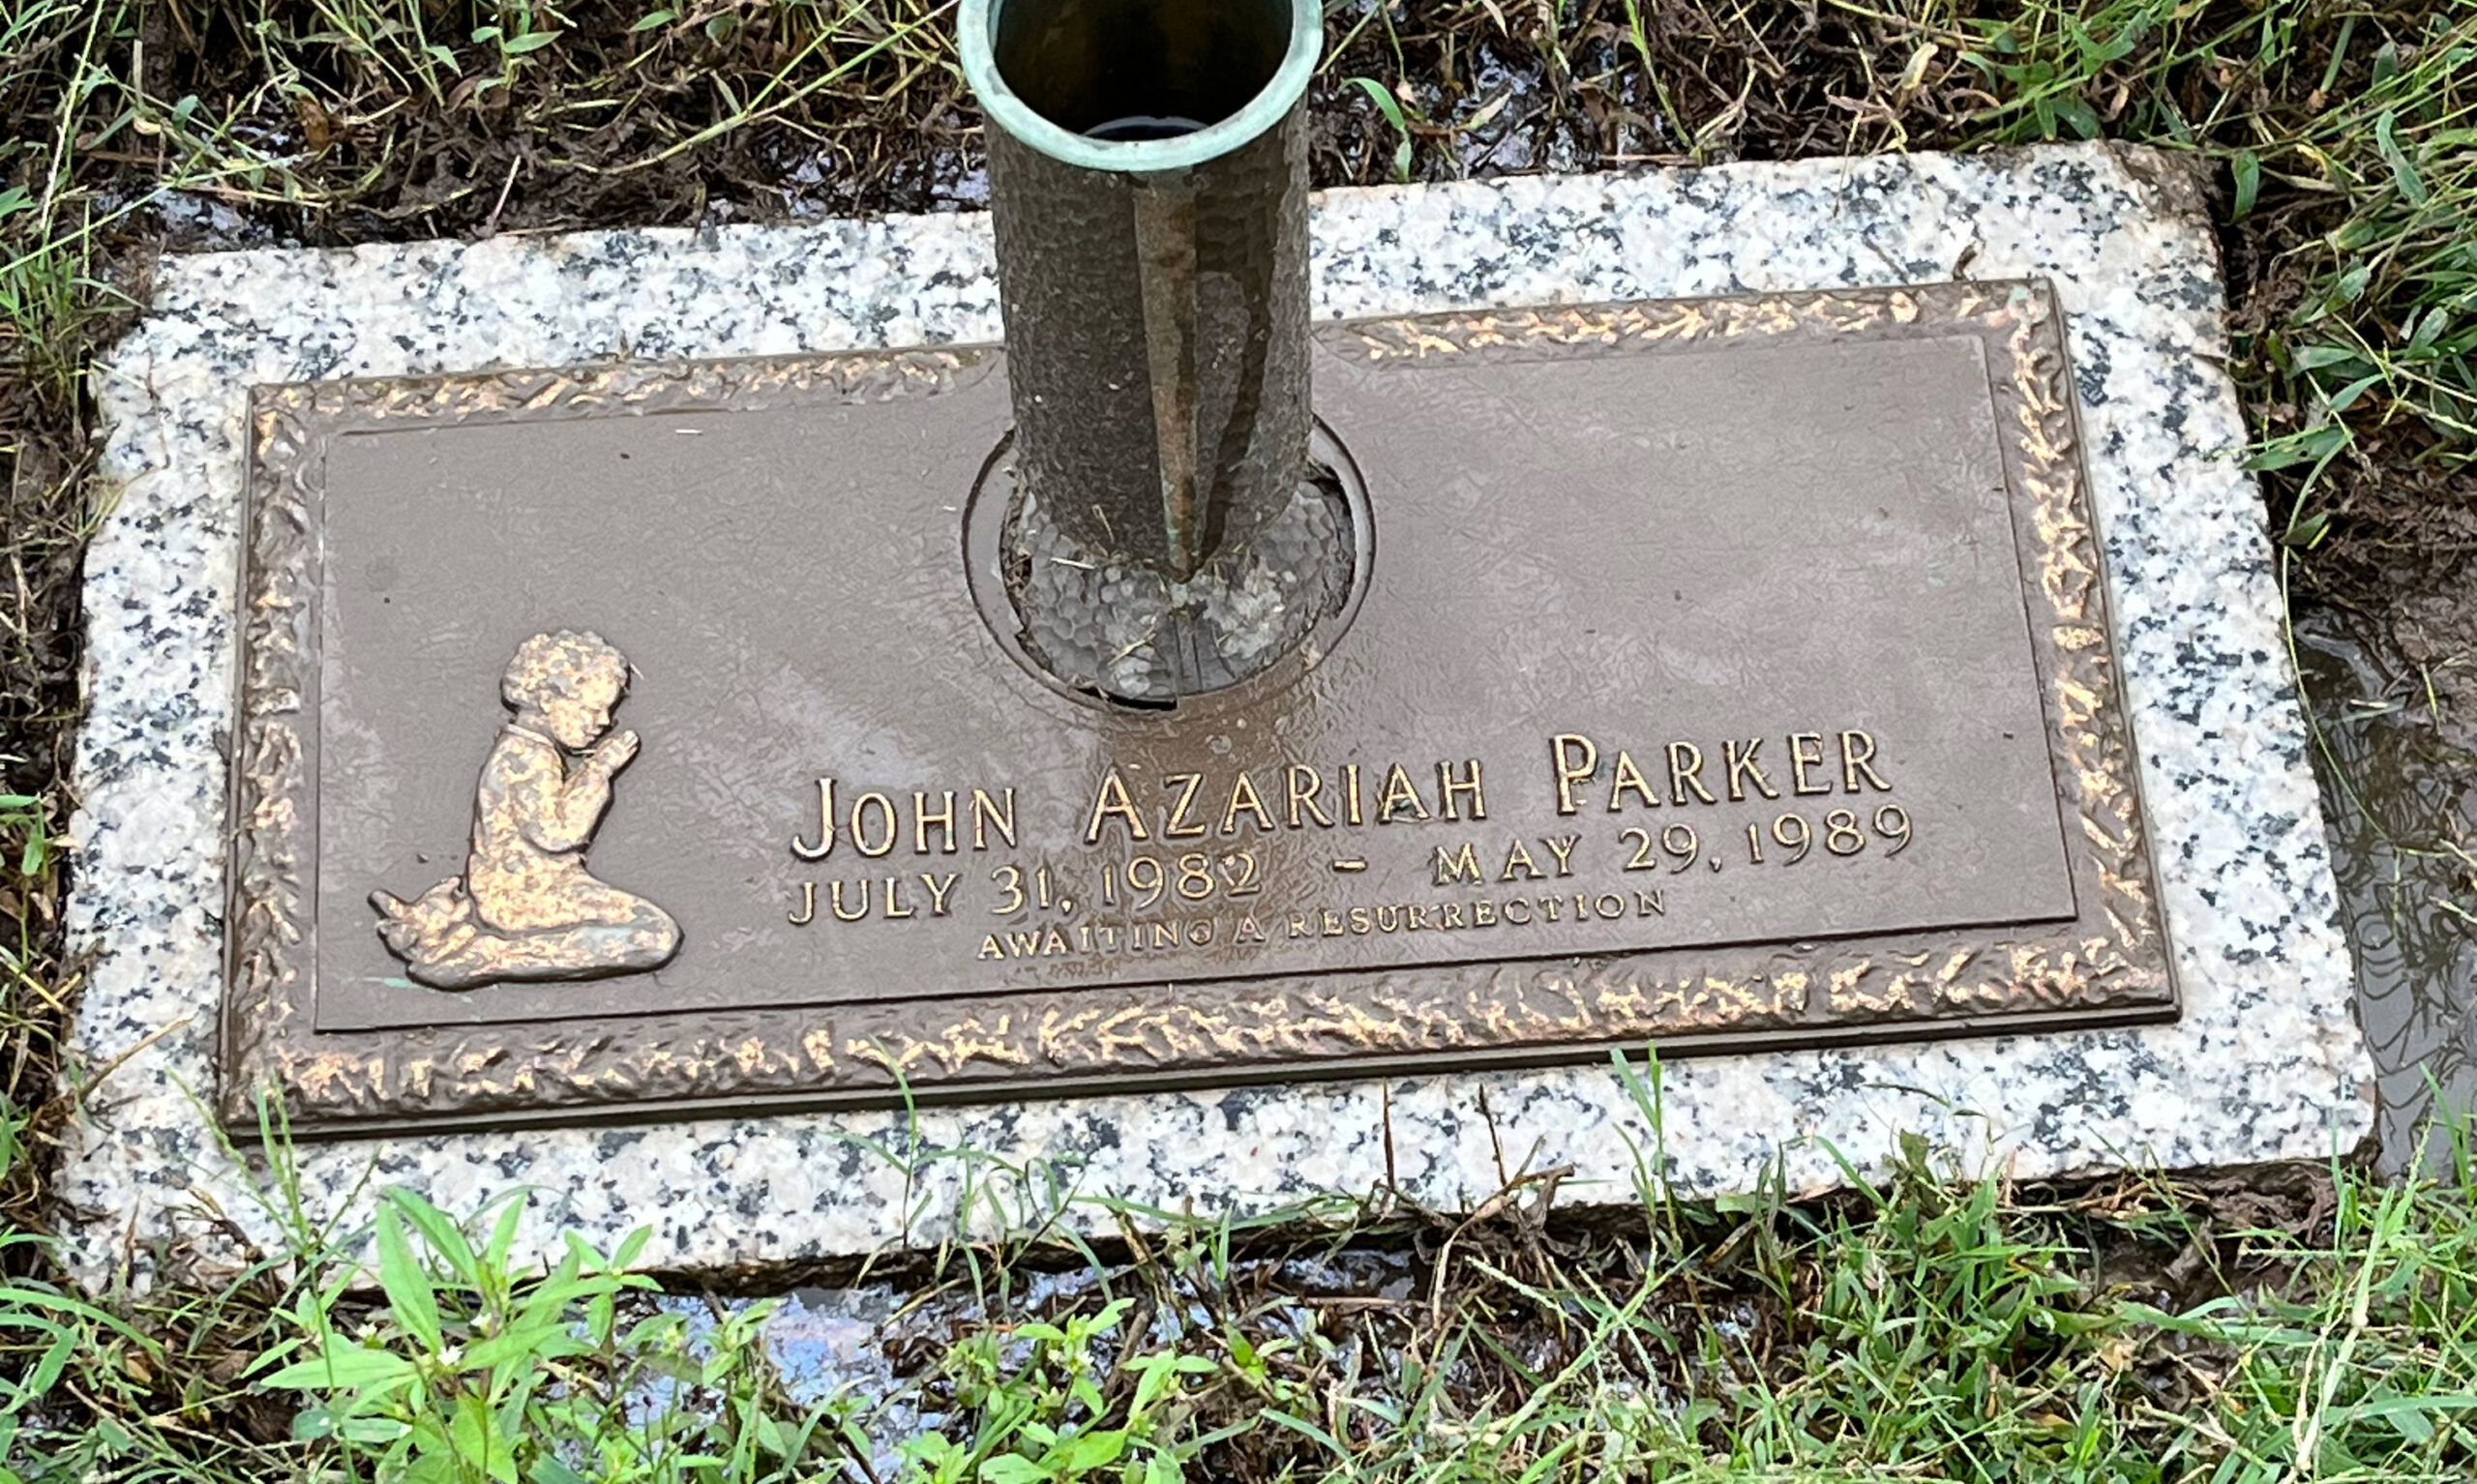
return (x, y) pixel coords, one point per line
(630, 740)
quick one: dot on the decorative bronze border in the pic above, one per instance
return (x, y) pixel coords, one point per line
(2110, 965)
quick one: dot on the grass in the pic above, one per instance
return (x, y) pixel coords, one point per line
(2137, 1331)
(1923, 1327)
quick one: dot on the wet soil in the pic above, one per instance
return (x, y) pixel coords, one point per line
(2388, 694)
(1346, 1328)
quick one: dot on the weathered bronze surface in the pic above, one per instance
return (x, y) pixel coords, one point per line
(1726, 672)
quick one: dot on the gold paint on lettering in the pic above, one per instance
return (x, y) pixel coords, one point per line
(1743, 770)
(894, 898)
(1243, 798)
(1249, 930)
(1178, 827)
(937, 891)
(1857, 752)
(1399, 797)
(922, 817)
(1652, 904)
(1449, 793)
(885, 817)
(1462, 865)
(824, 845)
(1304, 783)
(808, 906)
(835, 902)
(1574, 757)
(1684, 770)
(1626, 775)
(1111, 802)
(988, 813)
(1561, 847)
(1519, 858)
(1805, 751)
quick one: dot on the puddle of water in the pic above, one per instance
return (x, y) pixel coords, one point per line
(2399, 776)
(870, 1351)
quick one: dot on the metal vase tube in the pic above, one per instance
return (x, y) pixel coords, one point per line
(1147, 171)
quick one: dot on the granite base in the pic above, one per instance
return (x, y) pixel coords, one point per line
(2266, 1063)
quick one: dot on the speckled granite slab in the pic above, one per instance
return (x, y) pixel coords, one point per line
(2265, 1065)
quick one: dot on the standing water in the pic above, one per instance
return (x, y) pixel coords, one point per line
(2398, 775)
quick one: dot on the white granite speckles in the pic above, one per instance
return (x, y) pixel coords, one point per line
(2265, 1065)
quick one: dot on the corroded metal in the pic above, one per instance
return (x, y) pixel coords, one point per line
(526, 907)
(1147, 165)
(1102, 626)
(869, 822)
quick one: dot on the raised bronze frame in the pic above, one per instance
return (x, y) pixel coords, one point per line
(2109, 967)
